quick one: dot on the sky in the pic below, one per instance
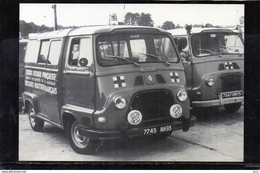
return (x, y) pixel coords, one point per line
(98, 14)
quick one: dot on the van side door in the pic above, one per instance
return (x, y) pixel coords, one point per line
(50, 54)
(78, 79)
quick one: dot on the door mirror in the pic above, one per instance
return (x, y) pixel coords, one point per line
(186, 60)
(83, 62)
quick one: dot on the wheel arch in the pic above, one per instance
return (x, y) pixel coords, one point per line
(30, 99)
(67, 116)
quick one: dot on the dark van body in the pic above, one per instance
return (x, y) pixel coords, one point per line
(104, 83)
(214, 66)
(22, 49)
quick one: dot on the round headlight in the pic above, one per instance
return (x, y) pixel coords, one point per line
(175, 111)
(182, 95)
(210, 81)
(134, 117)
(120, 102)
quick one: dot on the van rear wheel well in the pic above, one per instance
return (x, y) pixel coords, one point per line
(26, 105)
(66, 118)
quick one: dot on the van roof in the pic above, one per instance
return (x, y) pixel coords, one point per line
(182, 31)
(87, 30)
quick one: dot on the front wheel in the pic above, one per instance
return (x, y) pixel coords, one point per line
(232, 108)
(80, 144)
(36, 123)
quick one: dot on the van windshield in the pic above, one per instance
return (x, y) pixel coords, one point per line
(216, 44)
(129, 48)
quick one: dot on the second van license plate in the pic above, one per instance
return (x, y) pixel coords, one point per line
(232, 94)
(162, 129)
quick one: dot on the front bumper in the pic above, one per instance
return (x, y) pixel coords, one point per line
(217, 102)
(137, 131)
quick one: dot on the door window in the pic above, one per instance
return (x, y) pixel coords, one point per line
(55, 50)
(80, 48)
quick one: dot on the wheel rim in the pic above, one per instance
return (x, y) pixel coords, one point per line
(32, 117)
(79, 140)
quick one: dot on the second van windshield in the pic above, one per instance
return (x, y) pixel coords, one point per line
(127, 48)
(216, 44)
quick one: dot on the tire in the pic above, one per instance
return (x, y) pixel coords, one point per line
(232, 108)
(36, 123)
(80, 144)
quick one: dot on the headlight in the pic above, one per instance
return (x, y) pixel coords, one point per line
(120, 102)
(210, 81)
(134, 117)
(175, 111)
(182, 95)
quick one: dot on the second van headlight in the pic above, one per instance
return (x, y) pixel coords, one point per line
(120, 102)
(210, 81)
(182, 95)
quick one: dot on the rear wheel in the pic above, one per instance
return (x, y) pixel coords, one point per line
(36, 123)
(80, 144)
(232, 108)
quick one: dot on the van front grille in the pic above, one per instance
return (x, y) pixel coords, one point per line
(154, 105)
(228, 83)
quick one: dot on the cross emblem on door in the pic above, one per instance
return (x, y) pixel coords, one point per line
(174, 77)
(119, 81)
(229, 65)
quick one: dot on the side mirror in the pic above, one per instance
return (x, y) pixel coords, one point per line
(83, 62)
(186, 60)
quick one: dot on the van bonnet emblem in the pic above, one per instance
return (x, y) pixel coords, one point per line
(229, 65)
(150, 78)
(174, 77)
(119, 81)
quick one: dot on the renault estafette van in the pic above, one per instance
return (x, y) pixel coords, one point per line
(106, 82)
(214, 66)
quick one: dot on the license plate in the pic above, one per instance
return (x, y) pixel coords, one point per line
(232, 94)
(155, 130)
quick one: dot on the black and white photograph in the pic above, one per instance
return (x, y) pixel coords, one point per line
(151, 82)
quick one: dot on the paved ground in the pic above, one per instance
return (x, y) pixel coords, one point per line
(213, 138)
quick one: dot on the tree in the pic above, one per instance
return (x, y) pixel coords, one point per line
(132, 18)
(26, 28)
(208, 25)
(167, 25)
(142, 19)
(145, 20)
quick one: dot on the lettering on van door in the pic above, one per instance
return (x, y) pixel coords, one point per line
(45, 81)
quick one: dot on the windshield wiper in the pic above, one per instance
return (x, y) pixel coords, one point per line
(158, 58)
(126, 59)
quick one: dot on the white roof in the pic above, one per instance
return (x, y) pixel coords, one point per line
(182, 31)
(86, 30)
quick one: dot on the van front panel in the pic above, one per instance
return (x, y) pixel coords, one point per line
(153, 97)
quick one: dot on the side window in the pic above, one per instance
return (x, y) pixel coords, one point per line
(32, 52)
(80, 48)
(55, 50)
(44, 52)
